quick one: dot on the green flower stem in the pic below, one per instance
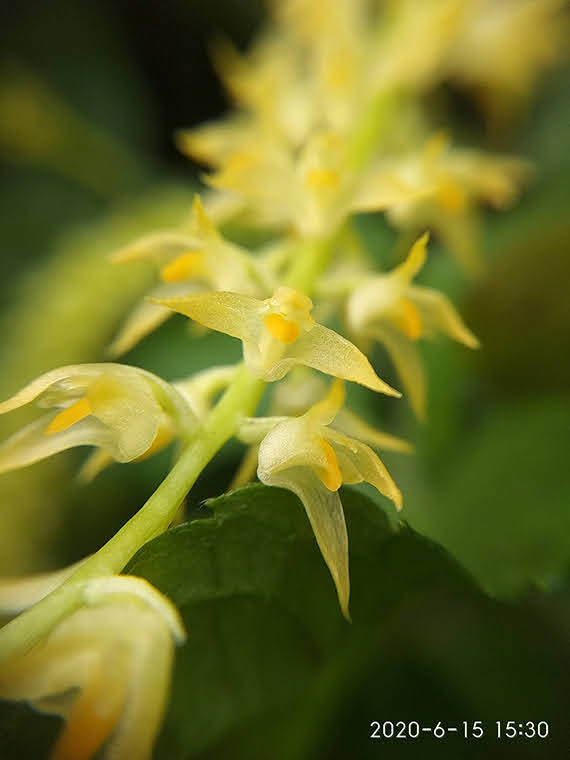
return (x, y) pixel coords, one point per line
(373, 125)
(240, 399)
(311, 259)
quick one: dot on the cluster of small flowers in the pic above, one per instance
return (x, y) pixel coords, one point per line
(328, 122)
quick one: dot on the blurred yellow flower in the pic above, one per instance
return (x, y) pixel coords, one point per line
(505, 45)
(125, 411)
(105, 669)
(389, 309)
(443, 185)
(279, 333)
(193, 258)
(305, 455)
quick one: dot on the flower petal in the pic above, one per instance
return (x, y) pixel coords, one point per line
(325, 410)
(127, 406)
(31, 444)
(439, 313)
(324, 510)
(230, 313)
(359, 463)
(19, 593)
(146, 317)
(160, 246)
(77, 375)
(384, 188)
(253, 429)
(95, 463)
(294, 442)
(350, 424)
(415, 260)
(407, 361)
(327, 351)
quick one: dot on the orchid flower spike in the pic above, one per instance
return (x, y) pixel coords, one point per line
(188, 260)
(125, 411)
(105, 669)
(305, 455)
(278, 334)
(389, 309)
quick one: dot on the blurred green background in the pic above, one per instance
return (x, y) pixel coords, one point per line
(90, 95)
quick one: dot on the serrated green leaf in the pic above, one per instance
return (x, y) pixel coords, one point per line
(272, 669)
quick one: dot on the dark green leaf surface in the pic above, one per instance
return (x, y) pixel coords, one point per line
(272, 669)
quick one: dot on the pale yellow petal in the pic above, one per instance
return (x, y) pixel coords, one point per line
(126, 406)
(296, 442)
(19, 593)
(385, 189)
(93, 716)
(439, 314)
(358, 463)
(31, 444)
(226, 312)
(325, 410)
(150, 676)
(147, 317)
(107, 588)
(460, 234)
(158, 246)
(327, 351)
(414, 261)
(95, 463)
(350, 424)
(81, 375)
(247, 468)
(408, 363)
(324, 510)
(254, 429)
(211, 143)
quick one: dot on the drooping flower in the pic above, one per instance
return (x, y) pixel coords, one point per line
(279, 333)
(390, 309)
(307, 456)
(193, 258)
(125, 411)
(105, 669)
(294, 396)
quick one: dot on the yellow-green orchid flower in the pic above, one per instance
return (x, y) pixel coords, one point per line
(504, 46)
(124, 411)
(310, 191)
(279, 333)
(292, 397)
(302, 389)
(307, 456)
(440, 188)
(105, 669)
(390, 309)
(191, 259)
